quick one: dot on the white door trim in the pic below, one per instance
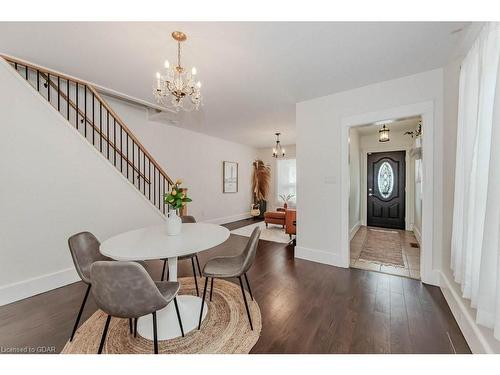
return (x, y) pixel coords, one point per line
(426, 111)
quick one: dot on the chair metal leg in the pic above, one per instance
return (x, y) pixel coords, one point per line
(135, 327)
(198, 263)
(80, 313)
(211, 288)
(155, 334)
(163, 271)
(203, 301)
(249, 289)
(246, 304)
(104, 333)
(130, 326)
(195, 278)
(178, 316)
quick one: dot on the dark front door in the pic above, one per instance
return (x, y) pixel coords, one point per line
(386, 189)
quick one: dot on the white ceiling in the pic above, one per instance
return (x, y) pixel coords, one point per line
(252, 73)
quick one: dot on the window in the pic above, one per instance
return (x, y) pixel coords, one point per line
(385, 180)
(287, 180)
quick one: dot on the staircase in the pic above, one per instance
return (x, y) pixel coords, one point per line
(86, 111)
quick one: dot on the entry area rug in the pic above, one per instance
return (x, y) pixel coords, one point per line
(384, 247)
(274, 233)
(225, 330)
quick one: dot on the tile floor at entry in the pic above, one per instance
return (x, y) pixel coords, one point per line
(411, 255)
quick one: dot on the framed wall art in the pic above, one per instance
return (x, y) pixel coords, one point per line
(229, 177)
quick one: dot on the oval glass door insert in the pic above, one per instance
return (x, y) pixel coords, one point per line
(385, 180)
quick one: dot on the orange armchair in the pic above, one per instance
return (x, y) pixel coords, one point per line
(290, 218)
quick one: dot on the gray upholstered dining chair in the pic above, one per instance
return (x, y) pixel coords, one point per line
(193, 257)
(225, 267)
(125, 290)
(84, 249)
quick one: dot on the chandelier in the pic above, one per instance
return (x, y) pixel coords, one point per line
(383, 134)
(178, 88)
(278, 151)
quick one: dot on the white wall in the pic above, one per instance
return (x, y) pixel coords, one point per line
(54, 184)
(355, 183)
(266, 155)
(319, 158)
(197, 159)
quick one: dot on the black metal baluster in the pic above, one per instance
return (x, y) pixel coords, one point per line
(37, 80)
(144, 172)
(162, 200)
(149, 178)
(67, 99)
(133, 163)
(76, 112)
(93, 119)
(100, 127)
(48, 87)
(58, 94)
(27, 75)
(107, 130)
(127, 155)
(114, 140)
(85, 112)
(121, 149)
(154, 185)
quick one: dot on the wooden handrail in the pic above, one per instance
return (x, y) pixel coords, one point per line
(101, 100)
(95, 128)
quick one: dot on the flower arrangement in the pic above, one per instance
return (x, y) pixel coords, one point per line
(177, 197)
(286, 198)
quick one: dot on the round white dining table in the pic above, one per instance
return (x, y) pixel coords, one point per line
(154, 243)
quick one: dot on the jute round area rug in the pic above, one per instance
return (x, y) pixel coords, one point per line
(224, 330)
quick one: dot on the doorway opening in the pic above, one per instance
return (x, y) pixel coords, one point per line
(385, 198)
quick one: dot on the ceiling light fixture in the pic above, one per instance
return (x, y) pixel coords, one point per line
(383, 134)
(278, 151)
(178, 89)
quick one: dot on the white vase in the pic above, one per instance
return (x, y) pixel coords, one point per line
(174, 223)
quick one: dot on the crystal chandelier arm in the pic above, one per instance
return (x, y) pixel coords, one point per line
(169, 85)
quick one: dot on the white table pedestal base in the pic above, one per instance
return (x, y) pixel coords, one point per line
(167, 322)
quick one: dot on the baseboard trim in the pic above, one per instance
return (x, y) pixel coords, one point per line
(354, 230)
(475, 338)
(228, 219)
(418, 235)
(36, 285)
(320, 256)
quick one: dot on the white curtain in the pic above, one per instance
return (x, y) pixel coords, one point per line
(287, 180)
(475, 256)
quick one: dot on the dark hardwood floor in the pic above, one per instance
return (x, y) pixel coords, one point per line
(306, 307)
